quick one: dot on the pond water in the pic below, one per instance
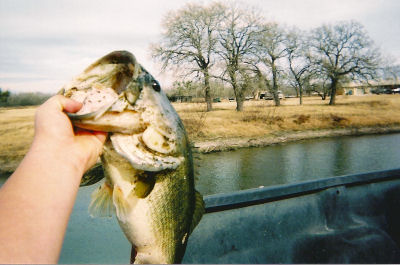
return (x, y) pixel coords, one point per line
(100, 240)
(293, 162)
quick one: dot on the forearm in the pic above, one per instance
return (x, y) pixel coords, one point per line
(35, 204)
(37, 200)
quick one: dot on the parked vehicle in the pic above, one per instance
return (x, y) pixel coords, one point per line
(269, 96)
(381, 90)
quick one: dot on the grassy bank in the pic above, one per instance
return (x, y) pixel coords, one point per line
(16, 134)
(262, 118)
(260, 123)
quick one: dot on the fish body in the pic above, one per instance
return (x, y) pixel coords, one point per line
(146, 160)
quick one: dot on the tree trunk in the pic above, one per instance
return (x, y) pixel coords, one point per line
(207, 89)
(276, 98)
(239, 104)
(237, 90)
(301, 94)
(275, 85)
(238, 96)
(333, 92)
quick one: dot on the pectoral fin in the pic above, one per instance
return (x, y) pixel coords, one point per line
(102, 201)
(143, 186)
(120, 203)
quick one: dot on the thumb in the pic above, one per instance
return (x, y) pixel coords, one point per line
(64, 103)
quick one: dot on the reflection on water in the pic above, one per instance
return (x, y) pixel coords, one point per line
(93, 240)
(100, 240)
(298, 161)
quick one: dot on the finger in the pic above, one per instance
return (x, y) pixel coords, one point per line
(70, 105)
(92, 142)
(62, 103)
(101, 136)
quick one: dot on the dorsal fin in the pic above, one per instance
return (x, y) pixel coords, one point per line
(198, 211)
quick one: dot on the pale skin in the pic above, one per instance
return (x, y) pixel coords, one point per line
(37, 199)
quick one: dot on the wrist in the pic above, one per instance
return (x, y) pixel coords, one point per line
(54, 154)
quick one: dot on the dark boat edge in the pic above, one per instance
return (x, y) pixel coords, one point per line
(344, 219)
(249, 197)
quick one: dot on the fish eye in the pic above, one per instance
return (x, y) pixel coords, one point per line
(156, 86)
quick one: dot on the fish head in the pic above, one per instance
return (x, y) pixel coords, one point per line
(121, 97)
(103, 84)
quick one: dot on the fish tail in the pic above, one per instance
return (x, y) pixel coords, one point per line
(101, 204)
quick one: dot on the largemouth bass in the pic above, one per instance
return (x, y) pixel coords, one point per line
(146, 161)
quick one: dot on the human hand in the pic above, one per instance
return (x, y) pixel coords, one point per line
(38, 197)
(55, 133)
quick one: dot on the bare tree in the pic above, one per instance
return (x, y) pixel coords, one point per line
(318, 85)
(298, 61)
(343, 50)
(390, 71)
(237, 39)
(272, 48)
(190, 40)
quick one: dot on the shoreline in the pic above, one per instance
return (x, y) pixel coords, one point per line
(229, 144)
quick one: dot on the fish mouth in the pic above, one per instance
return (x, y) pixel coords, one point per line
(119, 96)
(92, 110)
(116, 92)
(104, 85)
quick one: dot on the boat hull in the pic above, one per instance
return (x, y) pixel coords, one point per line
(346, 219)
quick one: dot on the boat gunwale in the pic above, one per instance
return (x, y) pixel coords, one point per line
(249, 197)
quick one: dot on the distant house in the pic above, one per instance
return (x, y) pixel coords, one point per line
(371, 87)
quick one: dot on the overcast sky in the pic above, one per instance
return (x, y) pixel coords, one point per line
(44, 43)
